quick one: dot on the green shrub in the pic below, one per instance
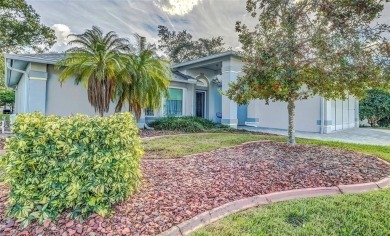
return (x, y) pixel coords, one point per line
(79, 164)
(385, 122)
(190, 124)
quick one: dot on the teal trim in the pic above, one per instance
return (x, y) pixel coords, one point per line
(38, 74)
(229, 121)
(252, 120)
(326, 122)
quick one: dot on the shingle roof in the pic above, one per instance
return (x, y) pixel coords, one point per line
(222, 54)
(181, 76)
(48, 58)
(53, 58)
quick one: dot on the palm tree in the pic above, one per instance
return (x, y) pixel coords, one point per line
(98, 62)
(149, 80)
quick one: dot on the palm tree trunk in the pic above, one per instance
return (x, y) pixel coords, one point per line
(291, 122)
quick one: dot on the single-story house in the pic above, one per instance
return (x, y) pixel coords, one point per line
(194, 91)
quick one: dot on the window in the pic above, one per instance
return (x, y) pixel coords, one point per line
(174, 104)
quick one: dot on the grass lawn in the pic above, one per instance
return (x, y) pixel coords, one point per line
(177, 146)
(365, 214)
(186, 144)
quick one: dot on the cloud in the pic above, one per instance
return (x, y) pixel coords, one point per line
(62, 31)
(177, 7)
(201, 18)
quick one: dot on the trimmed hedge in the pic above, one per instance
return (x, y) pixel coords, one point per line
(190, 124)
(79, 164)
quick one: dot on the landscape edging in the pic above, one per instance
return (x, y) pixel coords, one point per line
(215, 214)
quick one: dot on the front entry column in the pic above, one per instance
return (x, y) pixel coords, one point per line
(328, 116)
(229, 107)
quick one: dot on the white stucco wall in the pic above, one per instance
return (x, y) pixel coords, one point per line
(68, 98)
(275, 114)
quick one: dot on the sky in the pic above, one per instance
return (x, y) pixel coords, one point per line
(201, 18)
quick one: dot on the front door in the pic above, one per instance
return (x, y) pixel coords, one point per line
(200, 104)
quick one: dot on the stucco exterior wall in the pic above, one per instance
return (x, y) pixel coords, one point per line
(67, 99)
(275, 115)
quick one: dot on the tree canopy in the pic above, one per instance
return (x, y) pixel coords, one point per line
(113, 70)
(7, 97)
(375, 106)
(149, 79)
(97, 60)
(181, 47)
(311, 47)
(20, 28)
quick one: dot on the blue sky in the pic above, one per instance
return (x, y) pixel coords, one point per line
(202, 18)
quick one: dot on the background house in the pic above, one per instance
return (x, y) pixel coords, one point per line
(194, 91)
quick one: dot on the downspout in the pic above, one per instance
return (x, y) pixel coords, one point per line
(22, 72)
(322, 107)
(14, 69)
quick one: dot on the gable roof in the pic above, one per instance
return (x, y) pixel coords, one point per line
(211, 57)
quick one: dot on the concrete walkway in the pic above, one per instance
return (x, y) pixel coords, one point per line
(355, 135)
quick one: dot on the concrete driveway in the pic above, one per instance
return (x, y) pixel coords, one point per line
(355, 135)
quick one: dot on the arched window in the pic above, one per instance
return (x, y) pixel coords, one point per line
(202, 81)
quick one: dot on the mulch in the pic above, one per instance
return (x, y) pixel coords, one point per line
(176, 190)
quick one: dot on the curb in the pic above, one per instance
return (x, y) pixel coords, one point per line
(215, 214)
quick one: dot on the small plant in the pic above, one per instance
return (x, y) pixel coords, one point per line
(79, 164)
(190, 124)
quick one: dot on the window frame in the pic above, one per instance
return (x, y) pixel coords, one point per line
(183, 102)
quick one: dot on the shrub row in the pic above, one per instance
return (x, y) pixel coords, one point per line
(79, 164)
(190, 124)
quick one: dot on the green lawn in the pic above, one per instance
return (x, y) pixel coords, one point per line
(177, 146)
(181, 145)
(365, 214)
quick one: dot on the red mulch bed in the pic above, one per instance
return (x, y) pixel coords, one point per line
(176, 190)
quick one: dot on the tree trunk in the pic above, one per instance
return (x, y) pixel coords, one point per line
(291, 122)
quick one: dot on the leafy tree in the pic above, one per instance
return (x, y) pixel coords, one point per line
(2, 72)
(149, 79)
(311, 47)
(20, 28)
(375, 106)
(7, 98)
(181, 47)
(97, 61)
